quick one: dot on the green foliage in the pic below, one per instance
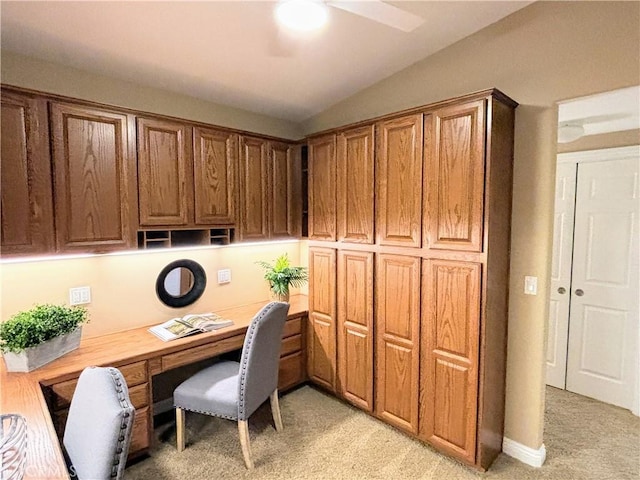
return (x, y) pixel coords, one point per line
(41, 323)
(281, 274)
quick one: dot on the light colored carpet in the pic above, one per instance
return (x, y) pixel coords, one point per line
(325, 439)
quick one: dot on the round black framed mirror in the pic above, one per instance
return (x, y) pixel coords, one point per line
(181, 283)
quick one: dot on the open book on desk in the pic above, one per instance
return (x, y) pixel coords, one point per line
(188, 325)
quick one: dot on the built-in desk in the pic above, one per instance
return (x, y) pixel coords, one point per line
(139, 355)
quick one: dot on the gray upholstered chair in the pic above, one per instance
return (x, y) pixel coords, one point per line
(99, 425)
(235, 390)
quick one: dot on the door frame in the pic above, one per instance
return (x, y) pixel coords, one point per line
(607, 154)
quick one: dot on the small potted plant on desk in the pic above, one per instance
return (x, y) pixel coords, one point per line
(281, 275)
(35, 337)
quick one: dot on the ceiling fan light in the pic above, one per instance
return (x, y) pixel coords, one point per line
(568, 132)
(302, 15)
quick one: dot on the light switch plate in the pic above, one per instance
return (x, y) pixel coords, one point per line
(224, 276)
(530, 285)
(79, 295)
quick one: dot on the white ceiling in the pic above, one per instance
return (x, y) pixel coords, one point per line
(224, 51)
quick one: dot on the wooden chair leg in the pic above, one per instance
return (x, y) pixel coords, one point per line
(180, 433)
(275, 410)
(243, 430)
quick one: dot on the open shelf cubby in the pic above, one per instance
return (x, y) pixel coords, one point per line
(167, 238)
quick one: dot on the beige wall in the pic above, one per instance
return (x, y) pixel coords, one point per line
(123, 286)
(36, 74)
(604, 140)
(547, 52)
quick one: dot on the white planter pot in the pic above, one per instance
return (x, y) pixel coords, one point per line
(35, 357)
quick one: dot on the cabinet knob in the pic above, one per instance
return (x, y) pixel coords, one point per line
(562, 290)
(579, 292)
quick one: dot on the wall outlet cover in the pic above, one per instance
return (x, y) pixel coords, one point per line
(224, 276)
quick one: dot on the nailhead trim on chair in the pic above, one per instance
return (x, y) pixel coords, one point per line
(124, 403)
(206, 413)
(243, 367)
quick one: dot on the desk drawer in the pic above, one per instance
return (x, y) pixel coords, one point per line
(292, 327)
(134, 374)
(290, 345)
(291, 371)
(185, 357)
(140, 434)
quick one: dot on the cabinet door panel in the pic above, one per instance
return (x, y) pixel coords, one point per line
(165, 169)
(286, 197)
(215, 156)
(94, 175)
(322, 317)
(397, 330)
(322, 188)
(399, 181)
(254, 189)
(355, 327)
(27, 206)
(355, 185)
(450, 344)
(454, 171)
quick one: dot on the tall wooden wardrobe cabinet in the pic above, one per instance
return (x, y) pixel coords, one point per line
(409, 259)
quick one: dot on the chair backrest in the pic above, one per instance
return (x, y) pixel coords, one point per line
(99, 425)
(260, 356)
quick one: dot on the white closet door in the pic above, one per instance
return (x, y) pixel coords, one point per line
(603, 334)
(561, 275)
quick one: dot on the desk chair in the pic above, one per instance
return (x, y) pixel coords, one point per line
(99, 425)
(235, 390)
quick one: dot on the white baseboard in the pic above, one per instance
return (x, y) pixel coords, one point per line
(525, 454)
(163, 406)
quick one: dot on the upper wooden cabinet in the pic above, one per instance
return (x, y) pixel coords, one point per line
(165, 169)
(215, 156)
(399, 181)
(94, 178)
(355, 185)
(322, 188)
(454, 177)
(27, 207)
(285, 183)
(254, 189)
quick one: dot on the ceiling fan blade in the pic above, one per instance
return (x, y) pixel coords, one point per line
(381, 12)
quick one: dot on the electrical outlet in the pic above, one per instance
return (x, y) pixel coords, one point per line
(79, 295)
(531, 285)
(224, 276)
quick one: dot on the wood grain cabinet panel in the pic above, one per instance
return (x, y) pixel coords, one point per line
(254, 190)
(449, 365)
(95, 178)
(27, 206)
(322, 188)
(215, 156)
(285, 175)
(397, 329)
(321, 344)
(355, 185)
(165, 172)
(399, 181)
(355, 327)
(454, 177)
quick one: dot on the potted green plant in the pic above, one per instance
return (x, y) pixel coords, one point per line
(281, 275)
(35, 337)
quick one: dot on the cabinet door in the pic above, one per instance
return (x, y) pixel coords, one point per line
(254, 189)
(27, 206)
(321, 356)
(397, 330)
(285, 187)
(322, 188)
(454, 177)
(355, 185)
(355, 327)
(399, 181)
(449, 364)
(215, 156)
(95, 178)
(165, 172)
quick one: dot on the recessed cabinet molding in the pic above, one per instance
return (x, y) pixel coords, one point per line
(442, 209)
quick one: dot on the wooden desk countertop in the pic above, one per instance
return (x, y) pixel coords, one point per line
(22, 393)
